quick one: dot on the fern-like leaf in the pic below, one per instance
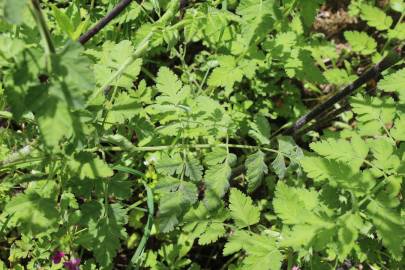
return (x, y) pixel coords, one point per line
(256, 169)
(193, 168)
(353, 152)
(375, 17)
(394, 82)
(390, 227)
(243, 212)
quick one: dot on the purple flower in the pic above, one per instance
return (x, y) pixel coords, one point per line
(73, 264)
(295, 268)
(57, 256)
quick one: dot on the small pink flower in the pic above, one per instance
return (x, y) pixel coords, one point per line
(57, 256)
(295, 268)
(73, 264)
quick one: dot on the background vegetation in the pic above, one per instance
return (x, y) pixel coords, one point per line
(163, 141)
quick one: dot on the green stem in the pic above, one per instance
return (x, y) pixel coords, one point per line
(354, 202)
(148, 74)
(377, 188)
(21, 163)
(193, 146)
(135, 205)
(43, 27)
(228, 262)
(136, 258)
(106, 203)
(171, 11)
(395, 27)
(386, 131)
(142, 47)
(92, 4)
(109, 104)
(290, 260)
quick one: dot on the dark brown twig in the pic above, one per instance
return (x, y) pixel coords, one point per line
(104, 21)
(373, 73)
(324, 121)
(183, 4)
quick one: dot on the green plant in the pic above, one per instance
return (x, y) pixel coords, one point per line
(160, 133)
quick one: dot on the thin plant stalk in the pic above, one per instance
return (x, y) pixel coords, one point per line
(104, 21)
(390, 60)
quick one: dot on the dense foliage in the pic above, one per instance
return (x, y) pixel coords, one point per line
(151, 147)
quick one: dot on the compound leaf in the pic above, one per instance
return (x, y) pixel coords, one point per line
(243, 212)
(256, 169)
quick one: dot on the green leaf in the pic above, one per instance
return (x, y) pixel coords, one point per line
(216, 182)
(375, 17)
(303, 209)
(103, 232)
(193, 168)
(262, 254)
(294, 206)
(226, 75)
(301, 64)
(260, 129)
(348, 233)
(177, 198)
(125, 107)
(85, 165)
(167, 82)
(33, 213)
(398, 5)
(317, 168)
(216, 156)
(236, 242)
(169, 164)
(361, 42)
(111, 58)
(217, 179)
(286, 41)
(338, 77)
(54, 115)
(196, 22)
(390, 227)
(384, 153)
(243, 212)
(334, 173)
(398, 32)
(372, 113)
(108, 232)
(120, 186)
(398, 132)
(279, 166)
(249, 9)
(256, 169)
(309, 10)
(299, 236)
(213, 232)
(394, 82)
(15, 10)
(205, 224)
(257, 19)
(52, 111)
(287, 149)
(11, 48)
(261, 250)
(54, 103)
(76, 70)
(63, 21)
(390, 195)
(354, 152)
